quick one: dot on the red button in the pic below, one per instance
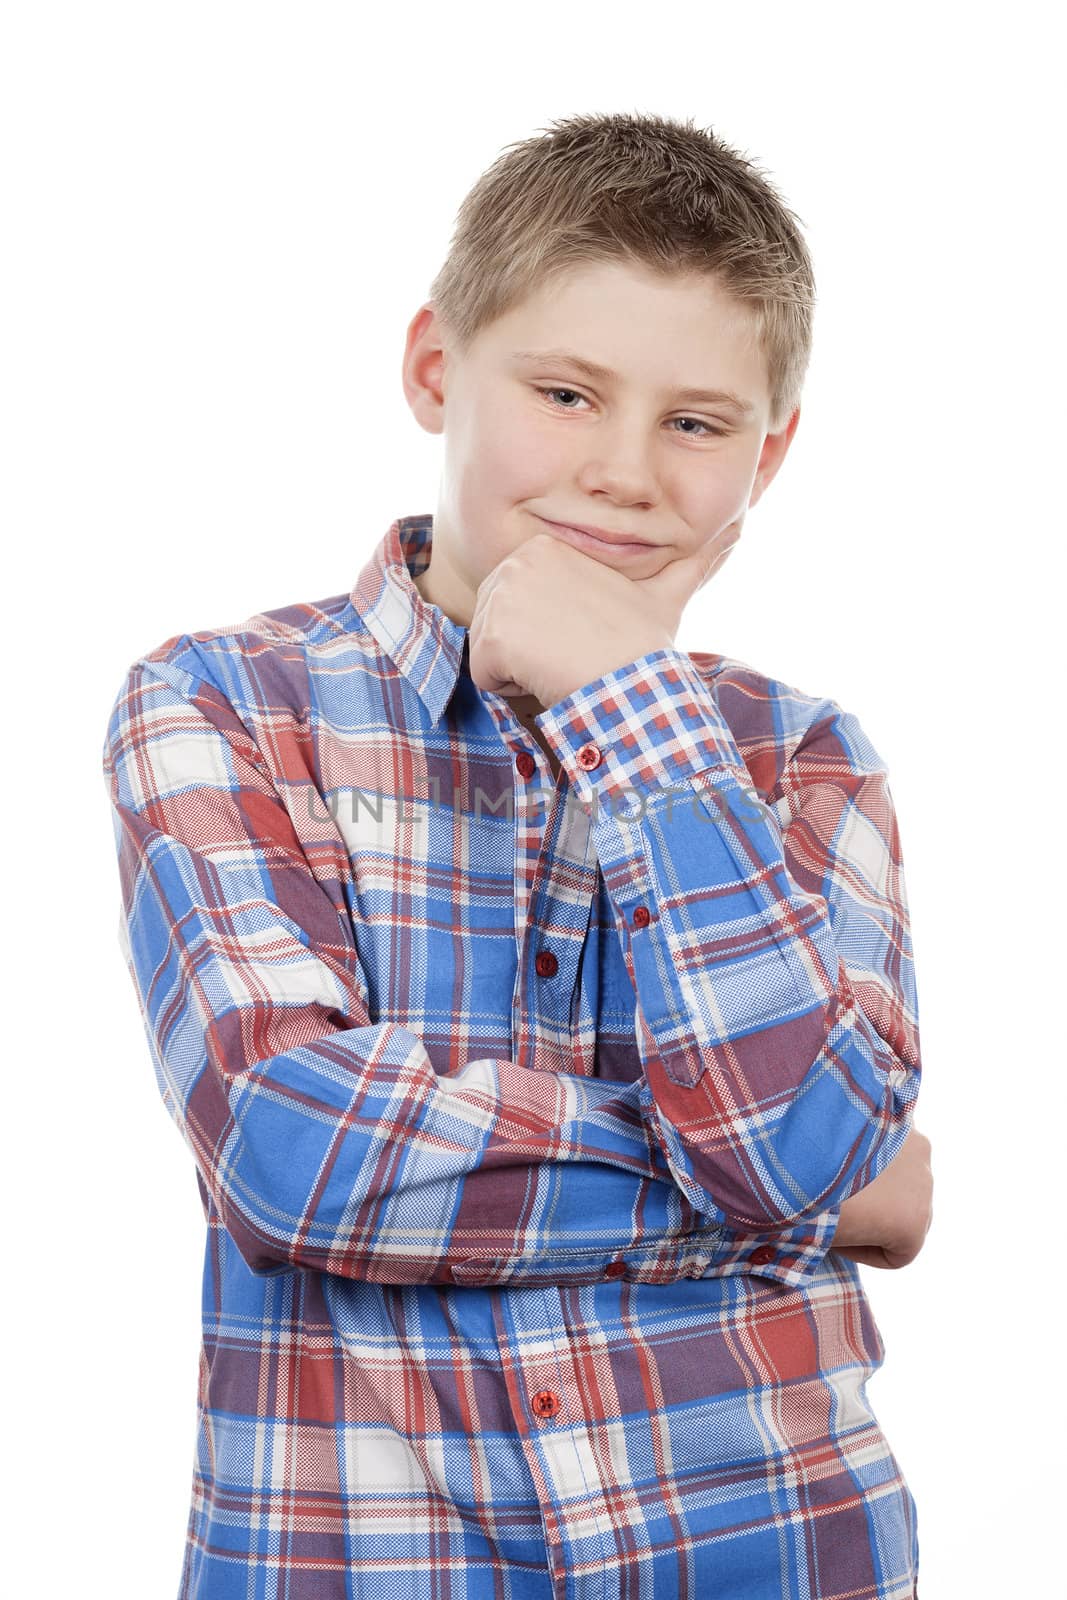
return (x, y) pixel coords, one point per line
(545, 1403)
(765, 1253)
(589, 757)
(642, 917)
(615, 1269)
(526, 764)
(546, 964)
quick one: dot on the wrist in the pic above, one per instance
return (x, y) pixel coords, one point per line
(856, 1223)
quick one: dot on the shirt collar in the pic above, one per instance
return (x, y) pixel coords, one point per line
(427, 647)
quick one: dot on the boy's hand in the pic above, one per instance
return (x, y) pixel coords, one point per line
(549, 618)
(885, 1225)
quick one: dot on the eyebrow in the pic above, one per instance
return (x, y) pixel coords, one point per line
(593, 369)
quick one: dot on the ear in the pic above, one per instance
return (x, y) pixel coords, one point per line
(772, 455)
(423, 369)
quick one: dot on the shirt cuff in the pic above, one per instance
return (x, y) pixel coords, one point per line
(789, 1255)
(650, 725)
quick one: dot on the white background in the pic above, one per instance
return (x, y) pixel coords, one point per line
(219, 220)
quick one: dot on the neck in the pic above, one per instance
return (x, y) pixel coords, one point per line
(441, 585)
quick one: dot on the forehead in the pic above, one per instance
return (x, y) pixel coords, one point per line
(627, 323)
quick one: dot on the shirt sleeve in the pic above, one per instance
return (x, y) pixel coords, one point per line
(768, 942)
(326, 1140)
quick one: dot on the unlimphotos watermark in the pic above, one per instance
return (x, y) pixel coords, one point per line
(626, 804)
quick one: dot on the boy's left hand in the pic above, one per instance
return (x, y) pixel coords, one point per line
(549, 618)
(885, 1224)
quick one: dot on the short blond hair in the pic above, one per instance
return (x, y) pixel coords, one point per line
(643, 189)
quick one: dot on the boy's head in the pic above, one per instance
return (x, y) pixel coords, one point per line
(654, 252)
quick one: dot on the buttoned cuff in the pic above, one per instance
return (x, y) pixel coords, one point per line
(650, 757)
(790, 1256)
(647, 726)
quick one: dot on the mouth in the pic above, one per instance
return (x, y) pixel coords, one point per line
(599, 542)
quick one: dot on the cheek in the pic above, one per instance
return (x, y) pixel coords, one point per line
(717, 498)
(517, 453)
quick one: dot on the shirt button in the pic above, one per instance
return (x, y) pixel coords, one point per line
(615, 1269)
(765, 1253)
(546, 964)
(589, 757)
(545, 1403)
(526, 764)
(642, 917)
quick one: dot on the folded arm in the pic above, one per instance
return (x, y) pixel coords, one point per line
(768, 943)
(326, 1140)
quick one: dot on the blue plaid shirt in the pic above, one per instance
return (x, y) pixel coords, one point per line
(521, 1112)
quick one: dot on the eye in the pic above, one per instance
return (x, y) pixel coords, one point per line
(573, 392)
(709, 430)
(719, 433)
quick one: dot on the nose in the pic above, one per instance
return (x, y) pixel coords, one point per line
(618, 462)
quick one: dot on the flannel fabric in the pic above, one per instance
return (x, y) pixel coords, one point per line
(521, 1113)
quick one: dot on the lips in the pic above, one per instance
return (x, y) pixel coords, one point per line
(619, 540)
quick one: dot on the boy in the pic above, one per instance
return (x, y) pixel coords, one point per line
(536, 998)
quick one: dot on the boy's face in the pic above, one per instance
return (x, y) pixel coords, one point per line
(627, 454)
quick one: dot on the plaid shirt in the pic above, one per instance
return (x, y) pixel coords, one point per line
(521, 1113)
